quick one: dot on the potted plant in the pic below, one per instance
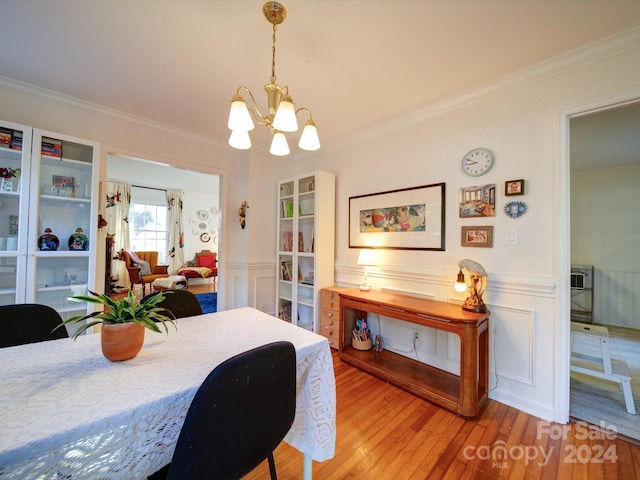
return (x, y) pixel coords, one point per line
(123, 322)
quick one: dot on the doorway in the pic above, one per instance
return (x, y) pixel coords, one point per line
(201, 199)
(604, 178)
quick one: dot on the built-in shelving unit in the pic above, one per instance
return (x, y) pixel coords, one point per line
(53, 184)
(306, 218)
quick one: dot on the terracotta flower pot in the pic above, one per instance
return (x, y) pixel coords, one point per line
(122, 341)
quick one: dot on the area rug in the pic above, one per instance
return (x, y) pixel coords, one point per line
(208, 302)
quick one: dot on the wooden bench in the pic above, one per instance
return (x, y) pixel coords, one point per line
(601, 366)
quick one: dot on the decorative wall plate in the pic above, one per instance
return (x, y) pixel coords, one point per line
(515, 209)
(203, 214)
(204, 237)
(202, 225)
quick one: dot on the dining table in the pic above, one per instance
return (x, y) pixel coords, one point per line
(66, 412)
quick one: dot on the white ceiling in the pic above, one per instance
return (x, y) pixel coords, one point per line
(353, 63)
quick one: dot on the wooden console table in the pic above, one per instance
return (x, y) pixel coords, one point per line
(465, 394)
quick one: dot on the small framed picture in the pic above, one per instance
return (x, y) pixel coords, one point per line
(514, 187)
(480, 236)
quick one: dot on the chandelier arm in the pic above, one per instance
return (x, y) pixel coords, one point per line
(255, 111)
(300, 109)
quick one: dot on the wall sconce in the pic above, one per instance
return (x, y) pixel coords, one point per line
(242, 213)
(367, 258)
(476, 286)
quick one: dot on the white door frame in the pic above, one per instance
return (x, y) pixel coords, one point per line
(563, 241)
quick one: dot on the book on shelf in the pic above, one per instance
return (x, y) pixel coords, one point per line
(285, 310)
(51, 147)
(287, 209)
(300, 242)
(16, 140)
(285, 268)
(287, 241)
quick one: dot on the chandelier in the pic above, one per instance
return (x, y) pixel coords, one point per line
(281, 114)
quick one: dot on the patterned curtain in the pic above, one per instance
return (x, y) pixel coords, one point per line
(175, 255)
(117, 213)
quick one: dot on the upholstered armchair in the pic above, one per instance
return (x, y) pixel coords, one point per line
(143, 267)
(204, 265)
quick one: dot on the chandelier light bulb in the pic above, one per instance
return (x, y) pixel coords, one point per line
(279, 145)
(240, 139)
(285, 118)
(239, 116)
(309, 139)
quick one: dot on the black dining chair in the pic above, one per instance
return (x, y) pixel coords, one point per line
(29, 323)
(239, 415)
(182, 303)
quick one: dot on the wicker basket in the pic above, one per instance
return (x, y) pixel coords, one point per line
(361, 345)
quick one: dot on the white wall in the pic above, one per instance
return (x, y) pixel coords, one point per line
(605, 232)
(518, 121)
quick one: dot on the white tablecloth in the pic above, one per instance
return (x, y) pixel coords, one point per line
(67, 412)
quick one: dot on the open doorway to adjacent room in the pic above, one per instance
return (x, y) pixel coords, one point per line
(148, 223)
(605, 267)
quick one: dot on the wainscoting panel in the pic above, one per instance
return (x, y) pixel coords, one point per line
(616, 299)
(513, 348)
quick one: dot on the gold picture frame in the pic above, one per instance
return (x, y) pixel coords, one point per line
(477, 236)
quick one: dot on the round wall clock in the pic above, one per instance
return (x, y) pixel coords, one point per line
(477, 162)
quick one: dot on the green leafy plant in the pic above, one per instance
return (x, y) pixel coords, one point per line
(125, 310)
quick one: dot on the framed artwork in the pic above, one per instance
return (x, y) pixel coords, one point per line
(480, 236)
(477, 201)
(514, 187)
(407, 219)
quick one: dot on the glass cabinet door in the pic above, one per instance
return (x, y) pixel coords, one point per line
(15, 168)
(62, 222)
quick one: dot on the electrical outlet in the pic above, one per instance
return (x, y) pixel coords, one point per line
(416, 334)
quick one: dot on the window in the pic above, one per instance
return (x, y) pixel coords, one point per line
(148, 221)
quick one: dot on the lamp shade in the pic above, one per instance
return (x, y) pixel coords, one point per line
(240, 139)
(285, 119)
(279, 145)
(239, 116)
(367, 257)
(309, 139)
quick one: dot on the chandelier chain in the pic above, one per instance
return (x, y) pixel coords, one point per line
(273, 55)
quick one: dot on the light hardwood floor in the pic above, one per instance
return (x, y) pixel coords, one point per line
(385, 433)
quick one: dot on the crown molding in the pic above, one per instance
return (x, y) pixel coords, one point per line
(17, 87)
(611, 46)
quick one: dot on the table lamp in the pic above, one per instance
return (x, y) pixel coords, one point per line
(366, 258)
(476, 286)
